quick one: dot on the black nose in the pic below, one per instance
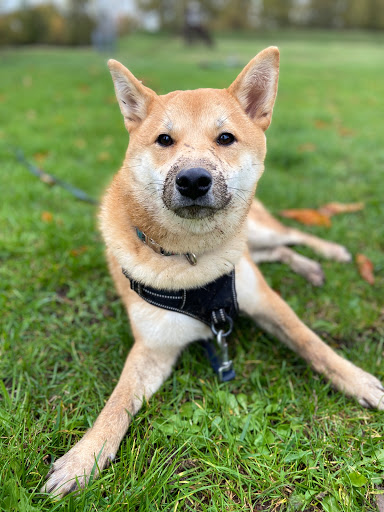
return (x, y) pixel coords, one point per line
(193, 183)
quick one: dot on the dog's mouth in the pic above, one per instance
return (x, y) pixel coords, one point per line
(195, 211)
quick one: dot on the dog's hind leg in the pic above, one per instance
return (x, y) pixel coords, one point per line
(257, 299)
(264, 231)
(306, 267)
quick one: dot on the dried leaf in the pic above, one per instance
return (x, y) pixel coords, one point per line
(365, 267)
(345, 132)
(322, 125)
(84, 88)
(40, 156)
(111, 99)
(307, 147)
(307, 216)
(80, 143)
(334, 208)
(103, 156)
(46, 217)
(79, 250)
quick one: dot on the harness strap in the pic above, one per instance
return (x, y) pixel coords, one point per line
(215, 304)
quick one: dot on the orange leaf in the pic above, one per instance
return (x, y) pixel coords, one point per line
(330, 209)
(41, 156)
(46, 217)
(84, 88)
(321, 125)
(110, 99)
(103, 156)
(365, 267)
(345, 132)
(307, 216)
(79, 250)
(307, 147)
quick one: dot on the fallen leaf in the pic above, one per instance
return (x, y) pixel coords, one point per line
(110, 99)
(108, 140)
(103, 156)
(307, 147)
(79, 250)
(46, 217)
(307, 216)
(345, 132)
(365, 267)
(40, 156)
(84, 88)
(80, 143)
(330, 209)
(322, 125)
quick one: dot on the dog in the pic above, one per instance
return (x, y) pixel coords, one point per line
(179, 221)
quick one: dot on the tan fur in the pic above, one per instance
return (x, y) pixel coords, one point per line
(143, 194)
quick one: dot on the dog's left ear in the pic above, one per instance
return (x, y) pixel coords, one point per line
(256, 86)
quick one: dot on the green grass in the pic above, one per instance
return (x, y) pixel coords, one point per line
(277, 437)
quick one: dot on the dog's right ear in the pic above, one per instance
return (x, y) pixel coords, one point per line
(133, 97)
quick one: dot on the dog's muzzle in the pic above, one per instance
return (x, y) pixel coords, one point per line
(195, 192)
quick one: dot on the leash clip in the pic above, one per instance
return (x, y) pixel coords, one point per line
(225, 370)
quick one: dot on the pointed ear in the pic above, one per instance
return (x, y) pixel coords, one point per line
(256, 86)
(133, 97)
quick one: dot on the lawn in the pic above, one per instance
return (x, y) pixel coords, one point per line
(275, 438)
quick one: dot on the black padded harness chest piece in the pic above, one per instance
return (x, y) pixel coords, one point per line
(211, 303)
(215, 304)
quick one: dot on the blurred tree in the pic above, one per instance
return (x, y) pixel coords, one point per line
(251, 14)
(80, 24)
(277, 12)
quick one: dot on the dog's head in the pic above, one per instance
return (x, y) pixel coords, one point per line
(194, 157)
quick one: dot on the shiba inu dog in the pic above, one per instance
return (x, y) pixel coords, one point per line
(181, 228)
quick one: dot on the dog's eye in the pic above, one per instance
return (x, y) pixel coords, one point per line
(164, 140)
(225, 139)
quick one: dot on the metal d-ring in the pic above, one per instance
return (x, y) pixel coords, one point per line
(224, 334)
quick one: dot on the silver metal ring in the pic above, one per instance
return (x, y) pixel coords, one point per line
(223, 333)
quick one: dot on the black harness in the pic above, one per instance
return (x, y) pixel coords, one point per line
(215, 304)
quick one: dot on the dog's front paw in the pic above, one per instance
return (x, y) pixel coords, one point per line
(371, 392)
(354, 381)
(75, 469)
